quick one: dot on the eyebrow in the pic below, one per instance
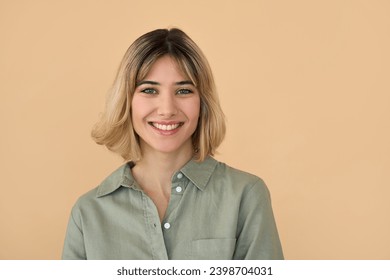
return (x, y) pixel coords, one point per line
(181, 83)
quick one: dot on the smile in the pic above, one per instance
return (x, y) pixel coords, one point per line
(166, 127)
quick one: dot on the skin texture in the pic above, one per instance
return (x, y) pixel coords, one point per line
(165, 97)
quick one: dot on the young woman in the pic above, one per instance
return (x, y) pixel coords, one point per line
(172, 199)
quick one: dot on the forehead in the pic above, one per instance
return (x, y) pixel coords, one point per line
(165, 68)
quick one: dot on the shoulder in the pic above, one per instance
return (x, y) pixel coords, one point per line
(213, 173)
(223, 170)
(110, 184)
(243, 181)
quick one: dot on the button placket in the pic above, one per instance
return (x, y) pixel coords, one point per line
(154, 232)
(177, 191)
(178, 183)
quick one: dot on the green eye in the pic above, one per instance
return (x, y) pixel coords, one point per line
(149, 91)
(184, 91)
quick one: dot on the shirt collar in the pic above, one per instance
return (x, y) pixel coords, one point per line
(120, 177)
(198, 173)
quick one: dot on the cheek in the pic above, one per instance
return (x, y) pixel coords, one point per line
(139, 107)
(136, 113)
(194, 109)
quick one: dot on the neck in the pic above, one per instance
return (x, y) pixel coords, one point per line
(157, 168)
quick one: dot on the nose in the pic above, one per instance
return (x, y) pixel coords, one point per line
(167, 106)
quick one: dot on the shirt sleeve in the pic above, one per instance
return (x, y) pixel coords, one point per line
(257, 235)
(74, 248)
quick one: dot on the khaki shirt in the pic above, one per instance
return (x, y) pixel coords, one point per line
(215, 212)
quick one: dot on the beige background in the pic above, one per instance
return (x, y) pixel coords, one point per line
(304, 84)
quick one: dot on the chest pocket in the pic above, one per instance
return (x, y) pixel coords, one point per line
(213, 249)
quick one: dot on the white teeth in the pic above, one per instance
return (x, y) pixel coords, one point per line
(166, 127)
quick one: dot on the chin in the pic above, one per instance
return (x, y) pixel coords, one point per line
(169, 148)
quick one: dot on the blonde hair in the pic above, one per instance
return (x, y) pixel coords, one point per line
(115, 129)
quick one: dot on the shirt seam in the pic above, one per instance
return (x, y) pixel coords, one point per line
(74, 221)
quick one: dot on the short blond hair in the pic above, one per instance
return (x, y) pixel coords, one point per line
(115, 129)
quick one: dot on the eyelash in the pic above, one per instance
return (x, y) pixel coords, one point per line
(149, 91)
(182, 91)
(187, 91)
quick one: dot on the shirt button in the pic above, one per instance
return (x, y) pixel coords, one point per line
(178, 189)
(179, 176)
(167, 225)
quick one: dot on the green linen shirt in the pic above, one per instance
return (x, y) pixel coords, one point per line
(215, 212)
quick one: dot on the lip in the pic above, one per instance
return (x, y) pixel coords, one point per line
(166, 127)
(165, 122)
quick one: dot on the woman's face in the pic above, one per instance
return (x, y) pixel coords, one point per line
(165, 109)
